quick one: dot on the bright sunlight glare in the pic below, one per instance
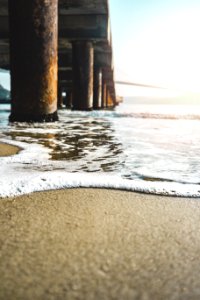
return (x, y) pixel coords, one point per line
(164, 52)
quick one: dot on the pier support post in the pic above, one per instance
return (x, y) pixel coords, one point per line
(107, 96)
(104, 94)
(33, 56)
(97, 88)
(82, 61)
(109, 102)
(60, 97)
(69, 99)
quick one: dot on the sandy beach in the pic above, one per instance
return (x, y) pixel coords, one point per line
(99, 244)
(7, 150)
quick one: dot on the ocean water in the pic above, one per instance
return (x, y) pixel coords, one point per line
(145, 148)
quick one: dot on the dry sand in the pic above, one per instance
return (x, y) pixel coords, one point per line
(99, 244)
(7, 150)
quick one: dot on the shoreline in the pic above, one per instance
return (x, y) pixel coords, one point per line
(98, 243)
(24, 182)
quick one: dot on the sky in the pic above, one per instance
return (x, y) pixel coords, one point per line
(157, 42)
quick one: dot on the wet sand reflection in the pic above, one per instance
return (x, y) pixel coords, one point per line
(90, 142)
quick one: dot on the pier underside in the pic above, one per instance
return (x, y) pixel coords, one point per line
(54, 47)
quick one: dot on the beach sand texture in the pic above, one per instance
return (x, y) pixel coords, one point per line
(99, 244)
(7, 150)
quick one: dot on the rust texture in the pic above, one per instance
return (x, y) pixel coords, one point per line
(109, 99)
(33, 53)
(82, 61)
(104, 94)
(97, 88)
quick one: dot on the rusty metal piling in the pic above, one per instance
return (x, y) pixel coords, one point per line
(82, 66)
(33, 55)
(97, 88)
(104, 93)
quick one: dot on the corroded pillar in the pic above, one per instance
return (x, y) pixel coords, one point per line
(97, 88)
(104, 94)
(69, 99)
(60, 97)
(33, 54)
(109, 102)
(107, 96)
(82, 64)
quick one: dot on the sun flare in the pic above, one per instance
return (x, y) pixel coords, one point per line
(164, 52)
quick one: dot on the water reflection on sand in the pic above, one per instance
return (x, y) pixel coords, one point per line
(90, 142)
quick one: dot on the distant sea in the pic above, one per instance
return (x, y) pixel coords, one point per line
(149, 148)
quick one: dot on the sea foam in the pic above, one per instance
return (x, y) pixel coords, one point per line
(20, 174)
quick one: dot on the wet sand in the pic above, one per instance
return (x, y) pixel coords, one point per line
(7, 150)
(99, 244)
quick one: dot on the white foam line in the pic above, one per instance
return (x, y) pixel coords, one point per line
(44, 181)
(34, 150)
(16, 180)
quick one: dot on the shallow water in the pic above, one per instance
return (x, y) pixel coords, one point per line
(151, 148)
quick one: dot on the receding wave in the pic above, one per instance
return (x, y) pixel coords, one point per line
(21, 176)
(126, 113)
(137, 149)
(165, 116)
(158, 116)
(137, 115)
